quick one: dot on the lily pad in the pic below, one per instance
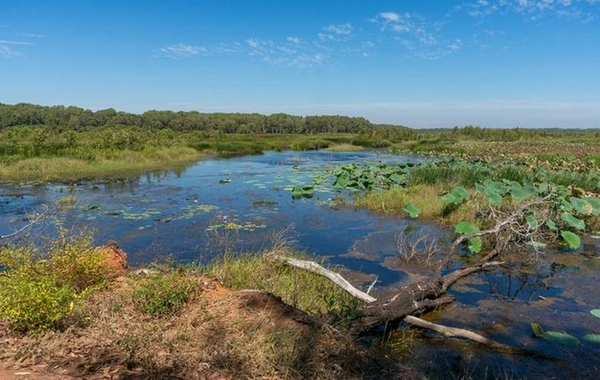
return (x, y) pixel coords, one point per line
(412, 210)
(475, 244)
(595, 203)
(551, 225)
(493, 198)
(465, 227)
(449, 198)
(595, 313)
(554, 336)
(572, 221)
(532, 222)
(592, 338)
(582, 206)
(572, 240)
(561, 338)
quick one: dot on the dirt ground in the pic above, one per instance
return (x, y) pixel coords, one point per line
(223, 334)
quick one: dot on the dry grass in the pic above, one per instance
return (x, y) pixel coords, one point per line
(344, 147)
(220, 334)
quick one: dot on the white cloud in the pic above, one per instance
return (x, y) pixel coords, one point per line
(4, 42)
(288, 53)
(420, 37)
(390, 16)
(33, 35)
(182, 51)
(339, 28)
(252, 43)
(336, 33)
(7, 52)
(532, 9)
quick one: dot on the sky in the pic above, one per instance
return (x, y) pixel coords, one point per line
(418, 63)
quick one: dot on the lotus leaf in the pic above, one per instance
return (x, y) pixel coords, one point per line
(412, 210)
(551, 225)
(592, 338)
(449, 198)
(532, 222)
(582, 206)
(475, 244)
(595, 313)
(554, 336)
(461, 191)
(595, 203)
(561, 338)
(573, 241)
(493, 198)
(572, 221)
(465, 227)
(537, 329)
(496, 187)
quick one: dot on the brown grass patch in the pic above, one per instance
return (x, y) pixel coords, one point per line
(220, 334)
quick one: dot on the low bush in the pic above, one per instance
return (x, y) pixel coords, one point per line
(41, 288)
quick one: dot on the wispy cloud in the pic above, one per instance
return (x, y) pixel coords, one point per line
(5, 42)
(33, 35)
(180, 50)
(336, 33)
(534, 9)
(7, 52)
(7, 49)
(339, 28)
(420, 37)
(411, 33)
(291, 53)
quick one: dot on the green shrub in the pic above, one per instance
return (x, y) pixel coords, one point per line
(41, 288)
(76, 263)
(34, 305)
(164, 294)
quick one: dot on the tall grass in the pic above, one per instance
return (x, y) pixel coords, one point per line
(105, 164)
(301, 289)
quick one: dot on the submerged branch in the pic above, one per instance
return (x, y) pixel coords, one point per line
(453, 331)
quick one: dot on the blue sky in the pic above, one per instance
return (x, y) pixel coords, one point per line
(494, 63)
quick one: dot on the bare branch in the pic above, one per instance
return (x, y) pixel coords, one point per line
(32, 220)
(318, 269)
(453, 331)
(372, 284)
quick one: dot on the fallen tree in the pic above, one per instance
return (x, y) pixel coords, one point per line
(423, 295)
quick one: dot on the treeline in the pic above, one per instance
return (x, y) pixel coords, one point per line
(76, 118)
(471, 132)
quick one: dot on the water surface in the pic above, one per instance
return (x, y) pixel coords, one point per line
(195, 214)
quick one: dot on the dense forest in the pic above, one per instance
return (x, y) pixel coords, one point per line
(76, 118)
(60, 118)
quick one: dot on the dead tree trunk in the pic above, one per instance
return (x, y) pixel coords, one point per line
(411, 299)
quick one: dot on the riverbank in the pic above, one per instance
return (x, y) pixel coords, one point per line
(183, 323)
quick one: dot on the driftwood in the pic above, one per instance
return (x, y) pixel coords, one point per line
(410, 299)
(453, 331)
(336, 278)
